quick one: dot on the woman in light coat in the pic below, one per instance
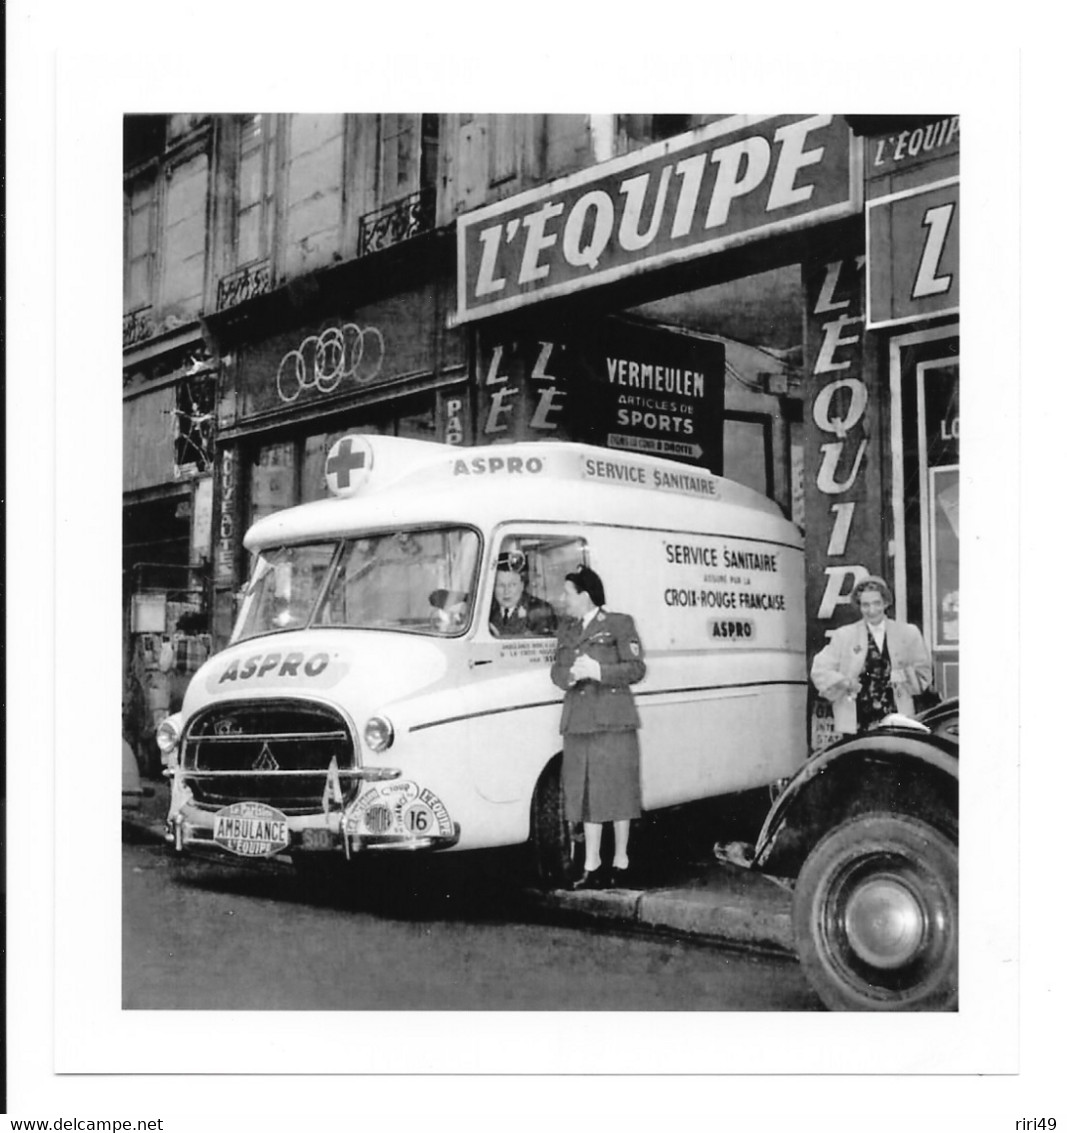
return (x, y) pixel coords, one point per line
(874, 666)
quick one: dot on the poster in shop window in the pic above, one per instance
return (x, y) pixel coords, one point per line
(944, 516)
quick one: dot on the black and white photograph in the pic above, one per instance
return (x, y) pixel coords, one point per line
(493, 479)
(524, 564)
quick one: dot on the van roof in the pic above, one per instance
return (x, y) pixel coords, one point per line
(408, 482)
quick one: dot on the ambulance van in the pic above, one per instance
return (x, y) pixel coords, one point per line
(365, 704)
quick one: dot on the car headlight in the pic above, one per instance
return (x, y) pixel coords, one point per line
(168, 733)
(378, 733)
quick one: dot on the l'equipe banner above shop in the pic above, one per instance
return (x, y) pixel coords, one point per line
(728, 183)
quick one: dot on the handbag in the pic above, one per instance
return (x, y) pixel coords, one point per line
(927, 699)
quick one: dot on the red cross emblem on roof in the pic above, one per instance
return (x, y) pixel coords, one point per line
(347, 464)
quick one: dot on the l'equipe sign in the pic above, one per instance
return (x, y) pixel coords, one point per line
(725, 184)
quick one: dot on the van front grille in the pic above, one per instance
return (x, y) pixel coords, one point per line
(270, 751)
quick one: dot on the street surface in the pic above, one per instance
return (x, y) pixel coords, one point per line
(432, 934)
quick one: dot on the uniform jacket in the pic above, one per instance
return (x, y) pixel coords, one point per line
(531, 617)
(606, 705)
(844, 656)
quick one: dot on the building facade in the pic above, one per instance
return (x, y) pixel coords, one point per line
(773, 298)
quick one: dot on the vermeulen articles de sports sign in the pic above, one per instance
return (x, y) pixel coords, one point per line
(734, 181)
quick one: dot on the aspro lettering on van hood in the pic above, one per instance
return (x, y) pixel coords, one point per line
(727, 183)
(313, 662)
(276, 667)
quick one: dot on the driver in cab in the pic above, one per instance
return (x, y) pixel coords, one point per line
(514, 611)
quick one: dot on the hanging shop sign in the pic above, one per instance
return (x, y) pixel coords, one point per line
(913, 254)
(454, 409)
(728, 183)
(617, 385)
(904, 149)
(843, 505)
(340, 357)
(226, 472)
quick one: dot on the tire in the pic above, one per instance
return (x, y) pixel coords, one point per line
(552, 839)
(876, 916)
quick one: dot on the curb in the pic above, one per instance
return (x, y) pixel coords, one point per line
(763, 920)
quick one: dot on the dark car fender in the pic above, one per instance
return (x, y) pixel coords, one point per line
(891, 769)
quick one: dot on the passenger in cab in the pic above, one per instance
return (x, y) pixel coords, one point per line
(514, 611)
(598, 657)
(872, 667)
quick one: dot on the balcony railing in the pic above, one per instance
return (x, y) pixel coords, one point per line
(410, 216)
(137, 326)
(247, 283)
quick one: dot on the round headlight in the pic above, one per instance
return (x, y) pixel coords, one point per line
(378, 733)
(168, 733)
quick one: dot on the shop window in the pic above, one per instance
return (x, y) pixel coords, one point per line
(418, 424)
(925, 375)
(273, 479)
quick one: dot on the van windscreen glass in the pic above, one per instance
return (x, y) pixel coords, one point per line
(284, 589)
(418, 580)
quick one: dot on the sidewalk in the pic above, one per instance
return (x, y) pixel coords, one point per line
(711, 899)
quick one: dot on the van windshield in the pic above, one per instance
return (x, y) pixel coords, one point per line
(420, 580)
(284, 589)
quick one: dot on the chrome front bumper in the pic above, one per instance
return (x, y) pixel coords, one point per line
(193, 829)
(391, 815)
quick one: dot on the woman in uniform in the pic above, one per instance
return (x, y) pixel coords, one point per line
(598, 657)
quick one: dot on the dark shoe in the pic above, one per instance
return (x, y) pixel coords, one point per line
(592, 879)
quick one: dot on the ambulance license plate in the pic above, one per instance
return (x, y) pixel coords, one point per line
(252, 830)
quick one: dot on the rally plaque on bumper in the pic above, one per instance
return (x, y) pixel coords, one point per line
(399, 812)
(252, 830)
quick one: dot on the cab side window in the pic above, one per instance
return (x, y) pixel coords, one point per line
(528, 583)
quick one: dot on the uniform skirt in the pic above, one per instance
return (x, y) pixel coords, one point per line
(601, 776)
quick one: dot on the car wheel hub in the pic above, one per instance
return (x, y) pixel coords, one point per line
(884, 923)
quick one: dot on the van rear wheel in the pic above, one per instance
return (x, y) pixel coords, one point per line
(552, 837)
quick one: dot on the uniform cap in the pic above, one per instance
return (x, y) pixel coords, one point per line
(514, 561)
